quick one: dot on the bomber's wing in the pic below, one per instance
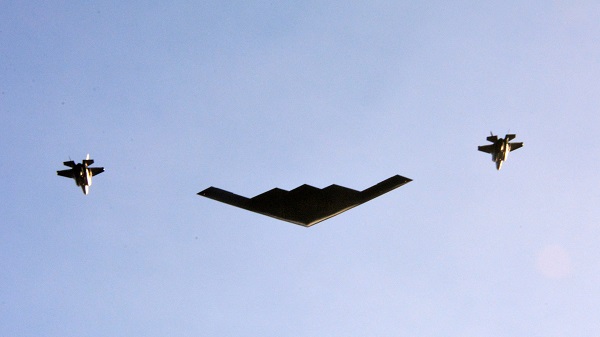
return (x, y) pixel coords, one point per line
(486, 148)
(514, 146)
(96, 170)
(305, 205)
(65, 173)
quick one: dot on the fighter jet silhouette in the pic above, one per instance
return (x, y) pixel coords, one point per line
(82, 173)
(305, 205)
(500, 148)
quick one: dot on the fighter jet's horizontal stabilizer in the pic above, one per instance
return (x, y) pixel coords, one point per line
(305, 205)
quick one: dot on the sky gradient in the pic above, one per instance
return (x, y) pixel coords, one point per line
(251, 95)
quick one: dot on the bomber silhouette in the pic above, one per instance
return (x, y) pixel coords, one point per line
(305, 205)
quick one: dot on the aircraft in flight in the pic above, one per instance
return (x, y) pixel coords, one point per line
(500, 148)
(82, 173)
(305, 205)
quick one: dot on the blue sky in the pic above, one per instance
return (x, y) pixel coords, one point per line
(251, 95)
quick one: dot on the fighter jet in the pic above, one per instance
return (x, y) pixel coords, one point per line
(305, 205)
(500, 148)
(82, 173)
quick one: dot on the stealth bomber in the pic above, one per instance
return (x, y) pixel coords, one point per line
(305, 205)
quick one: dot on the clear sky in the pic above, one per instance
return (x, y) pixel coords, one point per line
(250, 95)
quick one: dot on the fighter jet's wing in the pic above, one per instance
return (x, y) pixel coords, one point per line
(305, 205)
(96, 170)
(486, 148)
(514, 146)
(65, 173)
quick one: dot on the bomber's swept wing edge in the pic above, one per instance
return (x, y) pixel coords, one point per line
(305, 205)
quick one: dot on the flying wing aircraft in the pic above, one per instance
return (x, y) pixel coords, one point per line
(82, 173)
(500, 148)
(305, 205)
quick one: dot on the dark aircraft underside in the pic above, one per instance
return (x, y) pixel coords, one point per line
(305, 205)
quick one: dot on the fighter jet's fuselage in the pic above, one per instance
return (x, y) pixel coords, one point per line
(501, 153)
(83, 177)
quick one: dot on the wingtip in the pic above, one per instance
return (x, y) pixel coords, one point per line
(403, 178)
(205, 191)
